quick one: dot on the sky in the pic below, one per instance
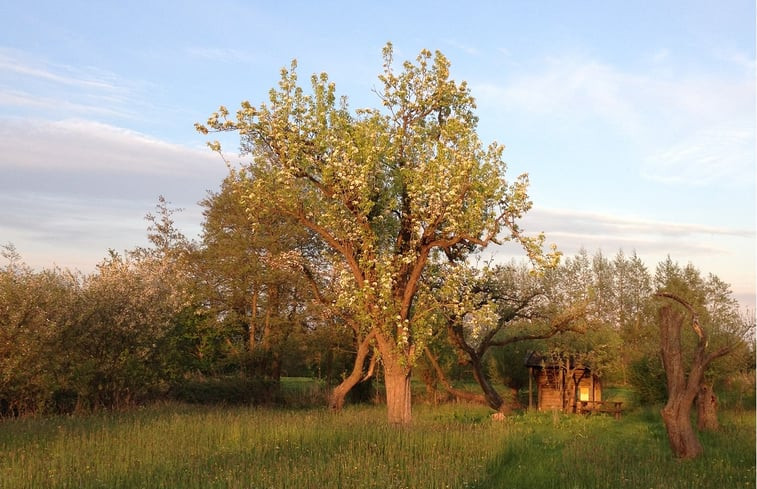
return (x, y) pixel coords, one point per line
(634, 120)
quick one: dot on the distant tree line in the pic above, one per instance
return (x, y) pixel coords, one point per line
(237, 308)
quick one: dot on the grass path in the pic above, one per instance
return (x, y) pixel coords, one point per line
(455, 446)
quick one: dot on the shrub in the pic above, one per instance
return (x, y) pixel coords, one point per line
(647, 377)
(226, 390)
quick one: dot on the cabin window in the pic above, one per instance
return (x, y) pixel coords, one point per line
(584, 394)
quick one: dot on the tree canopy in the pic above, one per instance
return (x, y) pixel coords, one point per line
(385, 189)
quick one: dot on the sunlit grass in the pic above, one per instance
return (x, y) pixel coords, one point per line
(181, 447)
(177, 446)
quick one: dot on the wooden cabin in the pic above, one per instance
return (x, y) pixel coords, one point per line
(561, 385)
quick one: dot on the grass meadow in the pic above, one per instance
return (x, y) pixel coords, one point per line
(451, 446)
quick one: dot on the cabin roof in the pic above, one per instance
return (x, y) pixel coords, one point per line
(537, 360)
(534, 359)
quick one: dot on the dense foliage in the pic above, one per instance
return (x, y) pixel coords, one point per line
(148, 325)
(70, 341)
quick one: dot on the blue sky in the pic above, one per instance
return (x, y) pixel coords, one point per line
(634, 120)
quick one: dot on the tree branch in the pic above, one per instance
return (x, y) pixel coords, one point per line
(460, 394)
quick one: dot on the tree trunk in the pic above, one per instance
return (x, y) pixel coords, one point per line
(707, 409)
(473, 358)
(681, 391)
(253, 324)
(493, 399)
(457, 393)
(275, 368)
(398, 399)
(683, 439)
(429, 380)
(338, 395)
(397, 372)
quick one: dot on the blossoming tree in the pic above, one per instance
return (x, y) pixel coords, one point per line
(387, 190)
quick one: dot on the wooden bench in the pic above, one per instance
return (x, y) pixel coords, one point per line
(609, 407)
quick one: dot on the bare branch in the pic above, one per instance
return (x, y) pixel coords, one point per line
(695, 317)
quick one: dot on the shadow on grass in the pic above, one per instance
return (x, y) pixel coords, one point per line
(568, 451)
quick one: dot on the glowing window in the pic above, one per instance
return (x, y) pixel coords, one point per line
(584, 395)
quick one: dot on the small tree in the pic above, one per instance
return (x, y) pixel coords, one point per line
(487, 308)
(247, 275)
(36, 307)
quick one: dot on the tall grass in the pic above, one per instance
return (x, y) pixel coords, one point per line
(177, 446)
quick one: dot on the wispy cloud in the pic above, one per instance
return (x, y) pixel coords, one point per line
(12, 61)
(71, 231)
(466, 48)
(717, 154)
(566, 88)
(727, 252)
(58, 218)
(599, 224)
(689, 128)
(738, 59)
(52, 89)
(52, 105)
(572, 230)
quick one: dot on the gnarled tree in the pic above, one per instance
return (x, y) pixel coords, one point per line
(383, 189)
(683, 386)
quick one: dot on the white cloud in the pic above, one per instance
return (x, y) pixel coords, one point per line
(25, 100)
(661, 55)
(738, 59)
(73, 189)
(573, 230)
(467, 49)
(726, 252)
(81, 145)
(595, 223)
(565, 88)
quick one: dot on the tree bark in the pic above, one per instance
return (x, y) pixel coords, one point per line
(493, 399)
(683, 440)
(707, 409)
(473, 358)
(398, 394)
(397, 371)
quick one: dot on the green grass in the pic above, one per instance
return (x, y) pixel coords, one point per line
(600, 452)
(179, 446)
